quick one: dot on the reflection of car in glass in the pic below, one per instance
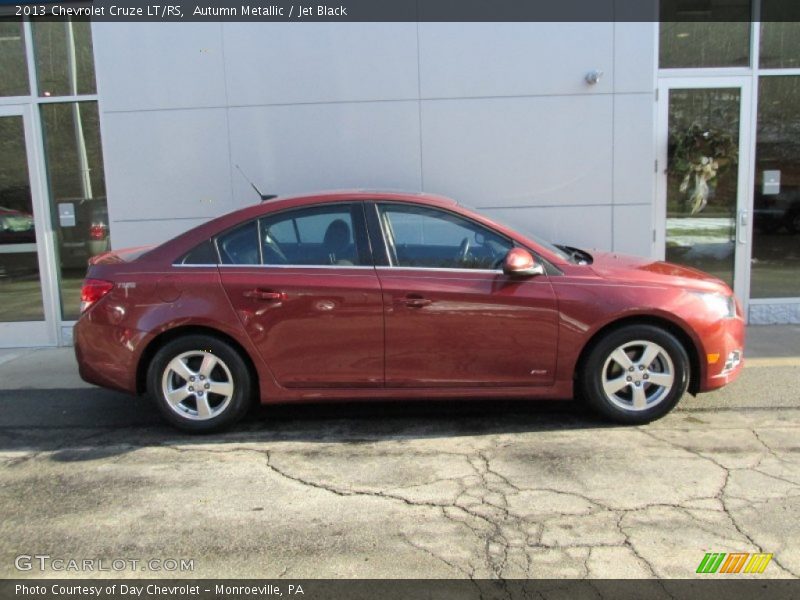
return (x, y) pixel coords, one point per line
(88, 237)
(377, 295)
(773, 211)
(16, 227)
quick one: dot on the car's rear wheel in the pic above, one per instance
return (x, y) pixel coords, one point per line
(200, 383)
(635, 374)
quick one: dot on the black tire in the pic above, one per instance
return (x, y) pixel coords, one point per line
(626, 404)
(220, 410)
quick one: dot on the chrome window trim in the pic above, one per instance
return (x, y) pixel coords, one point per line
(204, 266)
(362, 267)
(441, 269)
(359, 267)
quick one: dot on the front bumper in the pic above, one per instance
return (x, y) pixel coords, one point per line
(724, 354)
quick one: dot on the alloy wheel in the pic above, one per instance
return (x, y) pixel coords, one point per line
(638, 375)
(197, 385)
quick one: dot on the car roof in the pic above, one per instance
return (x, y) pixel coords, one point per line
(365, 194)
(358, 195)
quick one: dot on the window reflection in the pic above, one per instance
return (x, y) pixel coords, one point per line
(718, 44)
(20, 294)
(77, 192)
(13, 66)
(64, 60)
(702, 179)
(780, 45)
(704, 34)
(776, 224)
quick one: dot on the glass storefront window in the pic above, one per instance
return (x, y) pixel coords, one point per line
(77, 192)
(13, 65)
(20, 294)
(717, 44)
(712, 35)
(64, 59)
(780, 45)
(702, 179)
(775, 271)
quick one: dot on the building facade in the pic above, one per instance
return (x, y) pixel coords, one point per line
(675, 141)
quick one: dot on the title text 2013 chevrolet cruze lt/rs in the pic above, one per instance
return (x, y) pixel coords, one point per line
(378, 295)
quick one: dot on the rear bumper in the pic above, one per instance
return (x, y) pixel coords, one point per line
(107, 355)
(724, 354)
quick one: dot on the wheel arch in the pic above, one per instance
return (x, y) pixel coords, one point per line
(174, 333)
(685, 339)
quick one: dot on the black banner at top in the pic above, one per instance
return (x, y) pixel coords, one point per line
(411, 10)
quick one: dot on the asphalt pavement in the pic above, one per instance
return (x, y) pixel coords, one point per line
(425, 489)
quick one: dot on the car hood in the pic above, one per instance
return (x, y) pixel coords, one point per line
(610, 265)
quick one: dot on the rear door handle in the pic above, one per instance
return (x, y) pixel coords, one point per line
(267, 295)
(413, 301)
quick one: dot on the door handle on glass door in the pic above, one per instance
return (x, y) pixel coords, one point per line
(267, 295)
(742, 226)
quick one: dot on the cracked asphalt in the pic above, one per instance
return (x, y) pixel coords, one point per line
(422, 490)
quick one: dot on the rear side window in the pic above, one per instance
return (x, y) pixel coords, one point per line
(330, 235)
(240, 246)
(203, 254)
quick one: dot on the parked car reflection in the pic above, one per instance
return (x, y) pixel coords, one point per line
(16, 227)
(771, 212)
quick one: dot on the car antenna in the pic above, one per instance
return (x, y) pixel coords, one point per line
(264, 197)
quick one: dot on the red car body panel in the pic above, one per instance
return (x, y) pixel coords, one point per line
(391, 332)
(475, 329)
(300, 334)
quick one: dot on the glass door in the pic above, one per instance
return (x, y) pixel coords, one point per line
(703, 199)
(26, 306)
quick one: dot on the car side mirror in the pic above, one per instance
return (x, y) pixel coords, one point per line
(520, 263)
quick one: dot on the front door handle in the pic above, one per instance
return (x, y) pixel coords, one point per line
(413, 301)
(267, 295)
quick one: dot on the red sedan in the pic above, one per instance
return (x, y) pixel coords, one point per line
(365, 295)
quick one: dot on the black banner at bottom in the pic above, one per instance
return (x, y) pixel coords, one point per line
(704, 587)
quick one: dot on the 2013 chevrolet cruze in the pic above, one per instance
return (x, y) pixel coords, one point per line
(376, 295)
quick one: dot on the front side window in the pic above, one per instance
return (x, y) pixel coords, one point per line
(430, 238)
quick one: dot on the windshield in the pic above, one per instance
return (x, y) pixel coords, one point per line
(561, 252)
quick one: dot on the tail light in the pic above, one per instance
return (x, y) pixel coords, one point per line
(92, 291)
(98, 232)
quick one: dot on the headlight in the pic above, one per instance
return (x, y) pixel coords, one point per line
(719, 305)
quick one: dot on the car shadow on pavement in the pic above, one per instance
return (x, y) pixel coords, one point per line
(90, 424)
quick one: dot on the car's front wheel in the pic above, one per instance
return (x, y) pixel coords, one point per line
(635, 374)
(200, 383)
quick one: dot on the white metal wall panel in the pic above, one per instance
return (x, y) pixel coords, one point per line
(496, 115)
